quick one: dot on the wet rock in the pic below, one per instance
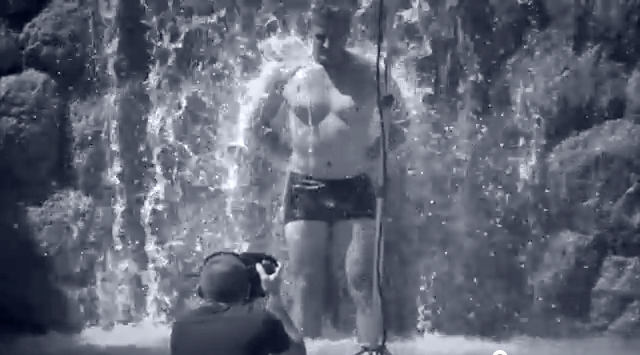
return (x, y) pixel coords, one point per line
(620, 276)
(624, 228)
(572, 91)
(628, 324)
(199, 46)
(205, 7)
(614, 23)
(62, 227)
(57, 41)
(9, 52)
(69, 229)
(606, 308)
(30, 118)
(31, 303)
(588, 173)
(15, 7)
(568, 271)
(88, 122)
(617, 288)
(633, 96)
(19, 12)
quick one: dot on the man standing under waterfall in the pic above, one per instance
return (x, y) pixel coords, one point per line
(321, 119)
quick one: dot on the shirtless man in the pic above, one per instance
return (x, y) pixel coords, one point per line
(330, 141)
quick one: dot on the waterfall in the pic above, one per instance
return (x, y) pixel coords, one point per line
(196, 181)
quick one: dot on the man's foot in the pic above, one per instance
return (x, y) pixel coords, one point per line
(375, 350)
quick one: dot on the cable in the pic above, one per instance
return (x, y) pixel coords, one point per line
(383, 184)
(382, 192)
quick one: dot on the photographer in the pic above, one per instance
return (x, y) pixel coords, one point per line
(226, 324)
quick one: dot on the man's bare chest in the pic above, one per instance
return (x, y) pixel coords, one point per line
(313, 97)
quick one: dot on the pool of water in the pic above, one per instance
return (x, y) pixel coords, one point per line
(148, 339)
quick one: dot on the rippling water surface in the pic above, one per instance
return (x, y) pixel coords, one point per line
(150, 339)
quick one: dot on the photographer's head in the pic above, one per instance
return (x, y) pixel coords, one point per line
(224, 279)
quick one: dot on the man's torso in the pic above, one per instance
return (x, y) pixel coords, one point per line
(330, 119)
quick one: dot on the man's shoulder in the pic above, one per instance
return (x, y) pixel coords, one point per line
(193, 314)
(277, 77)
(207, 313)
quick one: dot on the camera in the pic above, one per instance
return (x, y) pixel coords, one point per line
(270, 265)
(250, 259)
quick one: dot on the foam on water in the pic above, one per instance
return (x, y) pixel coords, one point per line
(147, 338)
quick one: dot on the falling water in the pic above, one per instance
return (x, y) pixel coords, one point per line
(211, 157)
(116, 265)
(201, 156)
(200, 193)
(200, 188)
(199, 185)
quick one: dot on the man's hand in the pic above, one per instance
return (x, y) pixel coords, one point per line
(270, 283)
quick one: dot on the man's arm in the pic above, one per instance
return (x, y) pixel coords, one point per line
(295, 337)
(282, 334)
(396, 116)
(263, 119)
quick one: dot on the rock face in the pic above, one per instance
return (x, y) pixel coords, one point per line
(589, 172)
(9, 51)
(568, 271)
(616, 296)
(633, 96)
(68, 229)
(594, 197)
(18, 12)
(56, 41)
(30, 118)
(620, 276)
(573, 91)
(89, 146)
(30, 300)
(17, 7)
(61, 228)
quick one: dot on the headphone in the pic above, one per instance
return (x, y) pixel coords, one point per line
(199, 291)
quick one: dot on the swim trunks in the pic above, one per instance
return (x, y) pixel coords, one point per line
(328, 200)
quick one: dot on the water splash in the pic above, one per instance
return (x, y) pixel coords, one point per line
(150, 339)
(117, 266)
(201, 155)
(197, 131)
(200, 191)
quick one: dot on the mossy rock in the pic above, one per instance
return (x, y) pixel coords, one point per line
(592, 170)
(57, 41)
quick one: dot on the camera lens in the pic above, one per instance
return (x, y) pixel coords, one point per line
(269, 267)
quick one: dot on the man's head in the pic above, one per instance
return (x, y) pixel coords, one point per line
(330, 27)
(224, 278)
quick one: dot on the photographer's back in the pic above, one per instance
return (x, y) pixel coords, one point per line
(230, 330)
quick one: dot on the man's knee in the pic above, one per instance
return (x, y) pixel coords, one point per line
(360, 275)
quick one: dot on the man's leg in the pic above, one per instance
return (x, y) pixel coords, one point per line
(360, 266)
(307, 245)
(340, 307)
